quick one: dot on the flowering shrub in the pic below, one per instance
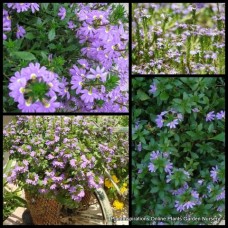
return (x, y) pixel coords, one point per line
(65, 57)
(65, 156)
(178, 151)
(178, 38)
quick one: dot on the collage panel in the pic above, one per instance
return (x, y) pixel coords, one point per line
(178, 154)
(65, 57)
(67, 170)
(178, 38)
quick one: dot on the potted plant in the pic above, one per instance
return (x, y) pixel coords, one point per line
(61, 159)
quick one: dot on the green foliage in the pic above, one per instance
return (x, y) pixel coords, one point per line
(195, 146)
(11, 198)
(118, 14)
(111, 82)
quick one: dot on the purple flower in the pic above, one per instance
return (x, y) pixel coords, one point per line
(98, 74)
(151, 167)
(159, 121)
(6, 23)
(221, 195)
(53, 186)
(154, 155)
(89, 96)
(210, 116)
(48, 105)
(58, 164)
(72, 189)
(200, 182)
(214, 173)
(139, 147)
(62, 13)
(179, 207)
(71, 25)
(72, 162)
(168, 167)
(34, 7)
(172, 124)
(20, 7)
(195, 194)
(220, 115)
(195, 110)
(20, 32)
(153, 88)
(189, 204)
(43, 191)
(32, 80)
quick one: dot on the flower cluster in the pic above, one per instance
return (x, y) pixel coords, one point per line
(35, 89)
(22, 7)
(178, 38)
(159, 160)
(54, 155)
(169, 118)
(178, 156)
(106, 44)
(211, 116)
(6, 23)
(97, 81)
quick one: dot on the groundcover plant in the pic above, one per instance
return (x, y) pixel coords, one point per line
(65, 57)
(63, 156)
(178, 38)
(178, 150)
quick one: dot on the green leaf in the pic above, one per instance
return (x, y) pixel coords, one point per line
(154, 190)
(142, 96)
(29, 36)
(51, 34)
(164, 96)
(112, 82)
(219, 137)
(44, 5)
(23, 55)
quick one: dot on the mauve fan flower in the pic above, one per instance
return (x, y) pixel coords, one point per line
(62, 13)
(35, 89)
(20, 32)
(210, 116)
(6, 23)
(89, 96)
(99, 73)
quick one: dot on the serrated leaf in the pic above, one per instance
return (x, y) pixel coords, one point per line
(23, 55)
(219, 137)
(51, 34)
(142, 95)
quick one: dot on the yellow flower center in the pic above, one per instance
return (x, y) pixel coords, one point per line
(33, 76)
(47, 105)
(50, 84)
(90, 93)
(98, 76)
(89, 27)
(22, 90)
(27, 103)
(80, 83)
(83, 65)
